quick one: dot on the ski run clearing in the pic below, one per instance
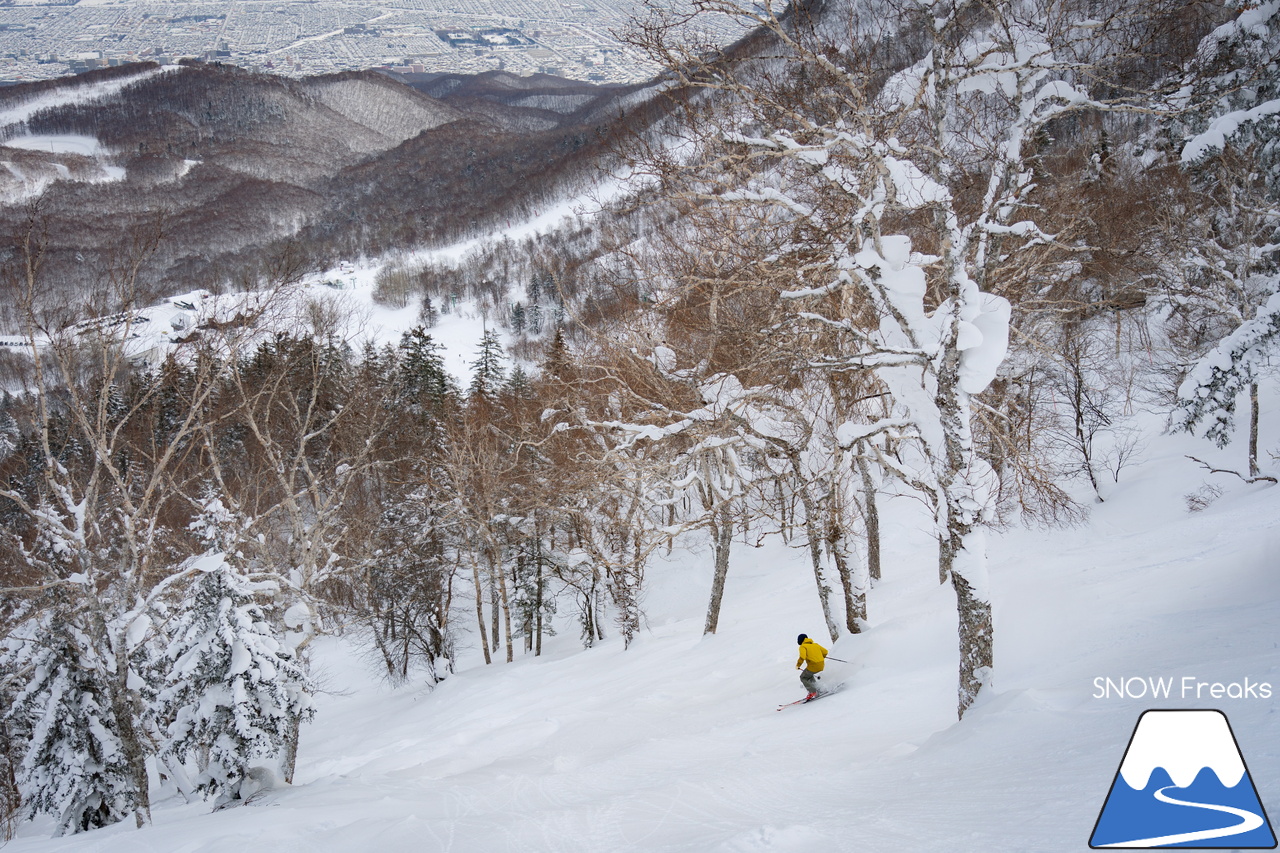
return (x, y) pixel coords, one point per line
(675, 743)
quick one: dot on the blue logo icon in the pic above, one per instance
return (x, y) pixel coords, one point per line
(1183, 783)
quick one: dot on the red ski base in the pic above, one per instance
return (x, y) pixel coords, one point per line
(802, 701)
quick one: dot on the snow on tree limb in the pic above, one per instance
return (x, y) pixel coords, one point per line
(1209, 393)
(1222, 128)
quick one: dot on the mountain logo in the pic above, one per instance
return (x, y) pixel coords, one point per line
(1183, 783)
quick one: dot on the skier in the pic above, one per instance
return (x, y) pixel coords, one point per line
(813, 657)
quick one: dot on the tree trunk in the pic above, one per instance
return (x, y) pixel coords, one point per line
(289, 757)
(871, 515)
(123, 710)
(854, 578)
(962, 552)
(964, 555)
(1073, 351)
(853, 584)
(521, 581)
(495, 607)
(589, 617)
(722, 531)
(500, 581)
(484, 636)
(10, 798)
(443, 609)
(671, 523)
(134, 754)
(815, 555)
(1253, 429)
(597, 603)
(381, 639)
(784, 518)
(537, 614)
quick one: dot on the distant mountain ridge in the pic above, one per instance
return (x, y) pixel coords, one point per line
(240, 168)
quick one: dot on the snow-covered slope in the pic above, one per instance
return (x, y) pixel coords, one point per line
(675, 744)
(345, 292)
(17, 111)
(395, 112)
(27, 175)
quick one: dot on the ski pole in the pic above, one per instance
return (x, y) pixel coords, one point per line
(829, 657)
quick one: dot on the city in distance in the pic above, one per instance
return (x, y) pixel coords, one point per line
(577, 39)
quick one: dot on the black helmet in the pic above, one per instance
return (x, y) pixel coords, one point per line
(800, 640)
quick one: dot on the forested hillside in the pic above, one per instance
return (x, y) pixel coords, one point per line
(964, 254)
(209, 176)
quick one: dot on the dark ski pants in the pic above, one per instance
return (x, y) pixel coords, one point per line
(810, 680)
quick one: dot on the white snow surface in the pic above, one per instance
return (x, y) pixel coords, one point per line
(544, 221)
(987, 345)
(675, 744)
(1183, 743)
(58, 143)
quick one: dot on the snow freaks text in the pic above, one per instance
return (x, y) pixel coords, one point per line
(1185, 687)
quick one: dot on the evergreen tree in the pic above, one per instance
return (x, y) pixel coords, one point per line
(517, 318)
(74, 767)
(172, 382)
(530, 602)
(10, 435)
(489, 373)
(231, 686)
(1232, 292)
(558, 359)
(422, 380)
(518, 384)
(428, 316)
(407, 585)
(68, 709)
(1207, 397)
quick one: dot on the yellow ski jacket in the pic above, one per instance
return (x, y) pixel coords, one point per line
(812, 653)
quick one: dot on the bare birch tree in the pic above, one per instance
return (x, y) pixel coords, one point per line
(893, 138)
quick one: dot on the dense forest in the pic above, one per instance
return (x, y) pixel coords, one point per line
(939, 249)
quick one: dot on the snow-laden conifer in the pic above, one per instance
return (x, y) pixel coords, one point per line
(1207, 397)
(232, 687)
(488, 372)
(1232, 271)
(74, 766)
(10, 435)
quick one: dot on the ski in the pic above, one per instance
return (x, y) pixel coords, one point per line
(836, 689)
